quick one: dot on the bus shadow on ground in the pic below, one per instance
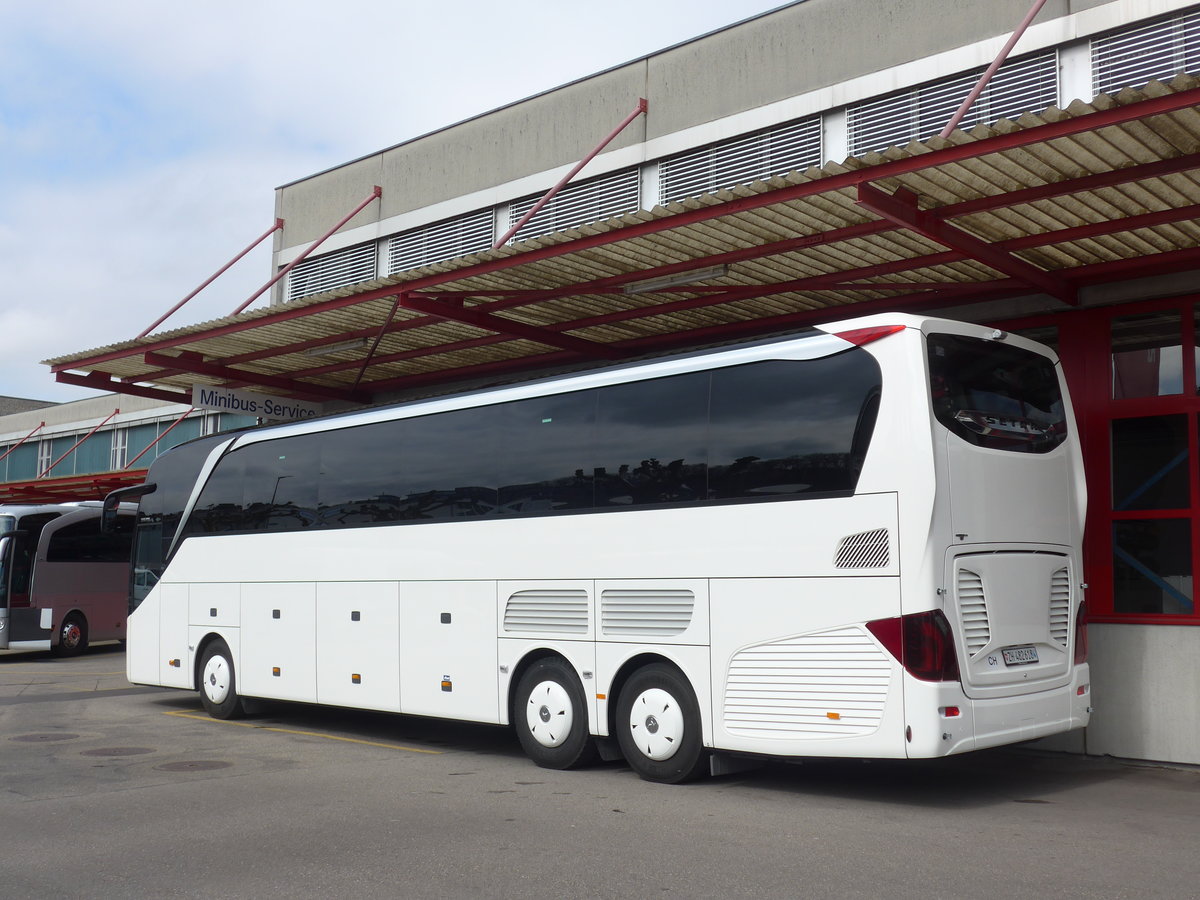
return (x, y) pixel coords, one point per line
(981, 779)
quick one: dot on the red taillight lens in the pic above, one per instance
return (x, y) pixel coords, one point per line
(860, 336)
(922, 642)
(1081, 638)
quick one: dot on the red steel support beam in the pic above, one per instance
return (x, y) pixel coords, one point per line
(101, 382)
(41, 425)
(217, 274)
(45, 471)
(299, 389)
(991, 70)
(153, 443)
(902, 209)
(640, 109)
(376, 193)
(489, 322)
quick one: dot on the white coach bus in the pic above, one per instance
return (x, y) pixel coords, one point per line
(862, 540)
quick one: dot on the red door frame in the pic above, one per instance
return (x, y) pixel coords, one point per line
(1084, 346)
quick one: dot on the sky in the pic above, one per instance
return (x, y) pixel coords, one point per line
(141, 142)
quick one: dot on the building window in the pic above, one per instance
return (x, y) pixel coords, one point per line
(210, 424)
(45, 456)
(579, 204)
(120, 449)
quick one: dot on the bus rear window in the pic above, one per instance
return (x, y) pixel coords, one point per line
(995, 395)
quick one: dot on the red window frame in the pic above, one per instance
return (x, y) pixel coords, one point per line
(1084, 346)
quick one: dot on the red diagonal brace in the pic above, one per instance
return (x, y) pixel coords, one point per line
(45, 471)
(376, 193)
(216, 370)
(217, 274)
(129, 465)
(902, 209)
(638, 110)
(488, 322)
(41, 425)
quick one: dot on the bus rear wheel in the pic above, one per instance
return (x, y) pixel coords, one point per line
(658, 726)
(550, 715)
(218, 684)
(72, 635)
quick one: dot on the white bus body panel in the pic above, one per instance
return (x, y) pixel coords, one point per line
(358, 631)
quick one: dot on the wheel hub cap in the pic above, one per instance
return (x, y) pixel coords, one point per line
(549, 714)
(656, 724)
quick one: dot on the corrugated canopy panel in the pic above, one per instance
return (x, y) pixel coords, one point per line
(1045, 204)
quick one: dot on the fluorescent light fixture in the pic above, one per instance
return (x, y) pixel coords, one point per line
(327, 349)
(650, 285)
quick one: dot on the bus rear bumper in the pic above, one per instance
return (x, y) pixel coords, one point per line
(979, 724)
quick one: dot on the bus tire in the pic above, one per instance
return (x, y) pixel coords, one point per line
(551, 717)
(658, 726)
(72, 635)
(218, 683)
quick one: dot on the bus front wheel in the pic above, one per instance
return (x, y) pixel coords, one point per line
(658, 726)
(72, 635)
(218, 684)
(551, 716)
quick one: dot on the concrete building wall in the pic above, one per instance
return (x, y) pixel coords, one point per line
(796, 50)
(1146, 691)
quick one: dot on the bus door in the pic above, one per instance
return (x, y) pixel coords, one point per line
(21, 623)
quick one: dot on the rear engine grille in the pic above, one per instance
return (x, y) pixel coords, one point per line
(972, 611)
(1060, 608)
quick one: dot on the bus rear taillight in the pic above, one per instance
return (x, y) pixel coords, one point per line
(921, 642)
(1081, 638)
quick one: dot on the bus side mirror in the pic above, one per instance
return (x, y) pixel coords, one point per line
(113, 500)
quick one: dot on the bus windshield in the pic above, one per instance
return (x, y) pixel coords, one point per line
(996, 395)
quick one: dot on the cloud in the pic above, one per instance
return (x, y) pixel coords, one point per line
(140, 141)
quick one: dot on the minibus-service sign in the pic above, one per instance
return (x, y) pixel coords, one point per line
(251, 403)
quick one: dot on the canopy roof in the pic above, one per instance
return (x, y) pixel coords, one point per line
(1048, 204)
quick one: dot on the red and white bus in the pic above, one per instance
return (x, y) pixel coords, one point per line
(63, 582)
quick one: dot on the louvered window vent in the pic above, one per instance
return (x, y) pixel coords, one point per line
(865, 550)
(452, 238)
(547, 612)
(1060, 608)
(579, 204)
(972, 611)
(1158, 51)
(333, 270)
(1021, 85)
(777, 151)
(646, 613)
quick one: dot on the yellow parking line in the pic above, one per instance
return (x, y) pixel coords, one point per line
(329, 737)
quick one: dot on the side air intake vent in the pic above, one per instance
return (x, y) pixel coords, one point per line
(865, 550)
(646, 613)
(972, 611)
(1060, 607)
(547, 612)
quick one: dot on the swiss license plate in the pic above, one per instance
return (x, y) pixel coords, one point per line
(1020, 656)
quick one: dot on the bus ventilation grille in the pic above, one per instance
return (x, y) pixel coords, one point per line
(972, 611)
(547, 612)
(832, 683)
(1060, 607)
(646, 613)
(865, 550)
